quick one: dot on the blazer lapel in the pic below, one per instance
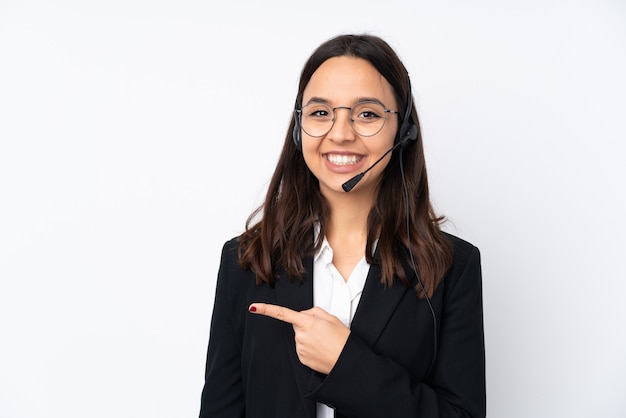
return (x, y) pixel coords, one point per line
(298, 296)
(377, 304)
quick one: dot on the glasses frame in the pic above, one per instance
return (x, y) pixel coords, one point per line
(386, 111)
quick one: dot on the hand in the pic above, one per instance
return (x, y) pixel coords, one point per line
(319, 338)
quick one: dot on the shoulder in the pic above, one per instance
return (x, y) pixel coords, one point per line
(230, 252)
(229, 263)
(231, 246)
(466, 265)
(463, 250)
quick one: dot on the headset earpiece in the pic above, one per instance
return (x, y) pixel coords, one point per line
(408, 131)
(410, 134)
(297, 130)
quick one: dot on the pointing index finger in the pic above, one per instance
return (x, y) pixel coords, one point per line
(277, 312)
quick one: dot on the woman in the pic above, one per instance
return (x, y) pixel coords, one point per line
(348, 303)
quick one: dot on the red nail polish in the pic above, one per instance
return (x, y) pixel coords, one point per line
(252, 308)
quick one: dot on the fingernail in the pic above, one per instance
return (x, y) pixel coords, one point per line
(252, 308)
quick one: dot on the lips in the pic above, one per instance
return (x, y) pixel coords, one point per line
(344, 160)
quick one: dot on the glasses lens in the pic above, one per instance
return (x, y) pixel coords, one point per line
(367, 118)
(317, 119)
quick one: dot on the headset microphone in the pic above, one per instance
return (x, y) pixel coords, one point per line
(349, 185)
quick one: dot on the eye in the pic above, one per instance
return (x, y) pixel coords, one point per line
(317, 111)
(369, 112)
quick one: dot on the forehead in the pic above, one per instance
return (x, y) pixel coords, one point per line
(345, 80)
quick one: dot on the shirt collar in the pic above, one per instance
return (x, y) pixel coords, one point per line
(324, 248)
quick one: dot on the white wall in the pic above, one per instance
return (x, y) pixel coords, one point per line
(136, 137)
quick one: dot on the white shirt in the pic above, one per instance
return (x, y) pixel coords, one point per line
(335, 295)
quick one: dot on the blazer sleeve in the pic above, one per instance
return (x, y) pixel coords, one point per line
(364, 383)
(222, 395)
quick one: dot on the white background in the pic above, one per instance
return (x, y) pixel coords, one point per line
(136, 137)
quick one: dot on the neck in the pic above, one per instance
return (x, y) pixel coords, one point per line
(348, 215)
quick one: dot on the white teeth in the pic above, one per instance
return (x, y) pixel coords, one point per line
(343, 159)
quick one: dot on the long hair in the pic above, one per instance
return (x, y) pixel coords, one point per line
(283, 235)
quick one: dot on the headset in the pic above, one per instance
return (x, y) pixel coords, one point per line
(408, 131)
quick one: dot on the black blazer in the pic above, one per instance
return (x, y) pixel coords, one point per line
(253, 370)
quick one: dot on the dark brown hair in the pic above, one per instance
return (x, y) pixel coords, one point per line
(293, 205)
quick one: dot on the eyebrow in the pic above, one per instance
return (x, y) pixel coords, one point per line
(322, 100)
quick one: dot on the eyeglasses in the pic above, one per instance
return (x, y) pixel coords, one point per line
(367, 118)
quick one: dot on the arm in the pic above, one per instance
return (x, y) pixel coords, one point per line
(359, 381)
(222, 395)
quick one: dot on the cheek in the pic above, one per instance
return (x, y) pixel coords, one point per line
(309, 153)
(383, 145)
(386, 138)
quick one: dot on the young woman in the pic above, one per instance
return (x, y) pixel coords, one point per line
(338, 303)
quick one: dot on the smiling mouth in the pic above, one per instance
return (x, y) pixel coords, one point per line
(344, 159)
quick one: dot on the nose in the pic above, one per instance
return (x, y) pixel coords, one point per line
(342, 126)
